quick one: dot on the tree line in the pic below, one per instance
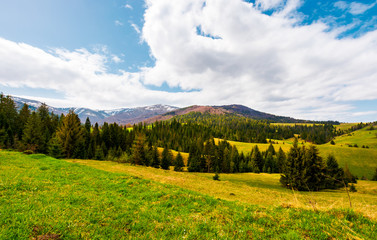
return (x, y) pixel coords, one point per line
(65, 137)
(237, 128)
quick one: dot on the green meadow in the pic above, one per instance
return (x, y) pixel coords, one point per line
(361, 161)
(45, 198)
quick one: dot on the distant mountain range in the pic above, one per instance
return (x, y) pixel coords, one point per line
(150, 114)
(121, 116)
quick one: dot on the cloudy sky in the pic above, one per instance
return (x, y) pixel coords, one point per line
(305, 59)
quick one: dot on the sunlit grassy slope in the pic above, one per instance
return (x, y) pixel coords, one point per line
(261, 189)
(45, 198)
(361, 161)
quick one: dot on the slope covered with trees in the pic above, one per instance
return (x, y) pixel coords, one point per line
(65, 136)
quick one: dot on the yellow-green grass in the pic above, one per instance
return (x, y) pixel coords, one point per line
(361, 161)
(293, 124)
(345, 126)
(45, 198)
(360, 137)
(175, 153)
(260, 189)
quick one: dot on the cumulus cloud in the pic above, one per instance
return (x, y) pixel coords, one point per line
(267, 62)
(82, 75)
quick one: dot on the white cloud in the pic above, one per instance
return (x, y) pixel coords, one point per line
(116, 59)
(135, 27)
(268, 4)
(128, 6)
(355, 8)
(266, 62)
(269, 63)
(359, 8)
(118, 23)
(341, 5)
(364, 113)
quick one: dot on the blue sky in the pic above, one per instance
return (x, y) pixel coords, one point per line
(305, 59)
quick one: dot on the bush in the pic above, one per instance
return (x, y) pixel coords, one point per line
(216, 177)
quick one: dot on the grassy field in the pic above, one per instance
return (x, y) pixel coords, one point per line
(361, 161)
(175, 153)
(45, 198)
(360, 137)
(252, 188)
(345, 126)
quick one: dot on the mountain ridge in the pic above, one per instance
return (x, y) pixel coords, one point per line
(119, 115)
(159, 112)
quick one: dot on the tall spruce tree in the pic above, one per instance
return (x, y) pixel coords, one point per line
(292, 169)
(8, 121)
(178, 163)
(314, 170)
(166, 159)
(71, 135)
(33, 133)
(334, 173)
(138, 150)
(24, 115)
(155, 158)
(257, 159)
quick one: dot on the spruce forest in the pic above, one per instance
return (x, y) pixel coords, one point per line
(65, 137)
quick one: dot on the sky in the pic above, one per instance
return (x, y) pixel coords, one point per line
(306, 59)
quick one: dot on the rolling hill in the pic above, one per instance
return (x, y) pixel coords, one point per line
(235, 109)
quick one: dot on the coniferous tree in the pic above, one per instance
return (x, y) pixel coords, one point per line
(87, 138)
(269, 166)
(55, 148)
(280, 160)
(194, 161)
(71, 135)
(99, 155)
(23, 118)
(155, 158)
(166, 159)
(271, 149)
(334, 173)
(8, 121)
(314, 170)
(178, 163)
(138, 151)
(33, 135)
(47, 128)
(292, 169)
(257, 160)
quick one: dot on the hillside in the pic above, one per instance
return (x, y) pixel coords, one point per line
(45, 198)
(238, 110)
(361, 161)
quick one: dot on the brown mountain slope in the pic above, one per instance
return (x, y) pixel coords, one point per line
(183, 111)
